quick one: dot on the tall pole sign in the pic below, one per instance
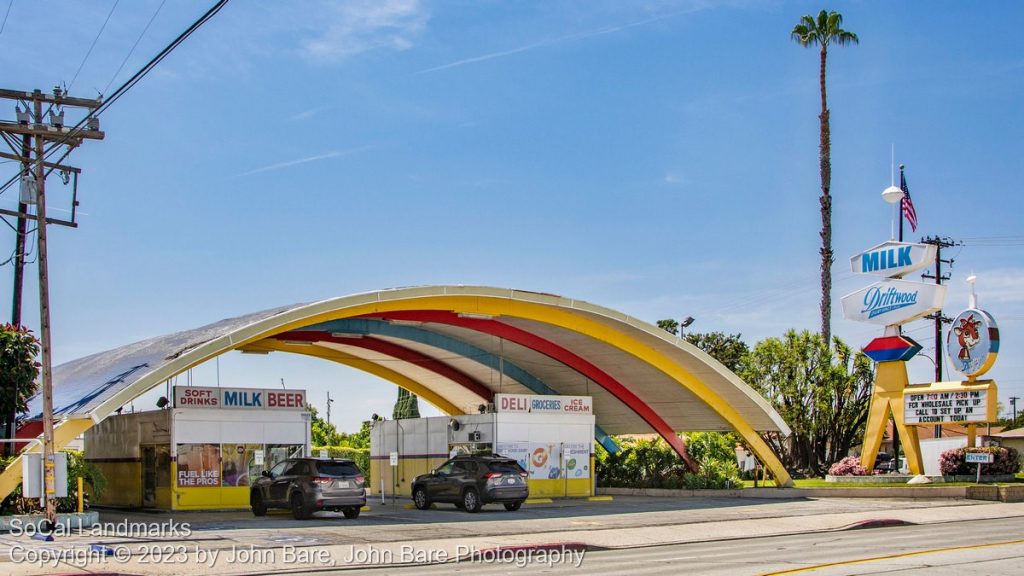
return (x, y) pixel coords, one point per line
(892, 302)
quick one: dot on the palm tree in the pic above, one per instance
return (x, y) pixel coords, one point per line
(822, 31)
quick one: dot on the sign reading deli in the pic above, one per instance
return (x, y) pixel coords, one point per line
(893, 302)
(239, 398)
(534, 404)
(893, 259)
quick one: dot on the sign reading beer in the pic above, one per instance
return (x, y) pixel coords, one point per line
(893, 259)
(534, 404)
(893, 302)
(239, 398)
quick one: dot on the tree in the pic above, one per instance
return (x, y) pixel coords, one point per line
(669, 325)
(822, 392)
(18, 372)
(406, 406)
(728, 349)
(822, 31)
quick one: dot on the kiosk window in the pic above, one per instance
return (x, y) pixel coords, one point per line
(238, 466)
(280, 452)
(198, 465)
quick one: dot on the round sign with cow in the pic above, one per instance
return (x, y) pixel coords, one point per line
(973, 342)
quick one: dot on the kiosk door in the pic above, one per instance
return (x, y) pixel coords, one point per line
(149, 476)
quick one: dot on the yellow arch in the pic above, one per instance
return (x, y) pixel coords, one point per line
(362, 364)
(253, 335)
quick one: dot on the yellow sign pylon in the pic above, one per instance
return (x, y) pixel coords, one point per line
(890, 382)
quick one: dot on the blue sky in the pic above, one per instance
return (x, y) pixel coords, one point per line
(659, 158)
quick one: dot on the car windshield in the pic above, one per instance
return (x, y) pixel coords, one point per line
(506, 466)
(336, 469)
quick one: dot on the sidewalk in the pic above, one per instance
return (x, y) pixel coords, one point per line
(252, 547)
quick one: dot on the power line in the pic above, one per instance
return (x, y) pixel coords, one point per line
(93, 45)
(6, 14)
(128, 84)
(132, 51)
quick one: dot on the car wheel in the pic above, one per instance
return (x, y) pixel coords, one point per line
(299, 509)
(351, 512)
(419, 497)
(471, 500)
(259, 508)
(513, 506)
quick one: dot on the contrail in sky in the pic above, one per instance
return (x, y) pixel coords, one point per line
(290, 163)
(543, 43)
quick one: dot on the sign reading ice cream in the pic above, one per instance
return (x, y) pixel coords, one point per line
(538, 404)
(239, 398)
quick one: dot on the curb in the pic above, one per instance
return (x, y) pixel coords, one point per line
(877, 523)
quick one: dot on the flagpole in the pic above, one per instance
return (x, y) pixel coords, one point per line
(902, 180)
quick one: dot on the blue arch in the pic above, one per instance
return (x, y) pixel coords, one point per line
(455, 346)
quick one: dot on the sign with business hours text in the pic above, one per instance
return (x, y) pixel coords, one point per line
(944, 407)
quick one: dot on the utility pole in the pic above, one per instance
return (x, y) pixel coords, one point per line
(938, 317)
(329, 402)
(1013, 404)
(57, 134)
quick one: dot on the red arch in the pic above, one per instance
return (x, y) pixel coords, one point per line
(552, 350)
(395, 351)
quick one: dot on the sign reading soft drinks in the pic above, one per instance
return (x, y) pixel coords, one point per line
(239, 398)
(893, 259)
(534, 404)
(893, 302)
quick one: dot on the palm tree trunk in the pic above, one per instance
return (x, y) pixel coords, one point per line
(826, 211)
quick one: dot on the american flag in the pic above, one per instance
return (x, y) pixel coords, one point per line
(908, 205)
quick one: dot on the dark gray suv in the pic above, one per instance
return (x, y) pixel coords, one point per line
(308, 485)
(469, 482)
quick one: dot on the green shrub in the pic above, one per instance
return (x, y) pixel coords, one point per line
(1005, 461)
(654, 464)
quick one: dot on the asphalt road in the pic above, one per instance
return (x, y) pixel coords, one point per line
(693, 536)
(989, 547)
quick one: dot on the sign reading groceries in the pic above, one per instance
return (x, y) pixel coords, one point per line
(535, 404)
(239, 398)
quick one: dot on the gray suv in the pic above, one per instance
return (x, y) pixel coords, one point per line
(469, 482)
(308, 485)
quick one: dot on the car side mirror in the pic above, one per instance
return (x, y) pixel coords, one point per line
(266, 474)
(433, 472)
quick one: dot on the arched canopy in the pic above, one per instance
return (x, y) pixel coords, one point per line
(456, 346)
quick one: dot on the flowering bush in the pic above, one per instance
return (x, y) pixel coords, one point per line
(849, 466)
(1005, 461)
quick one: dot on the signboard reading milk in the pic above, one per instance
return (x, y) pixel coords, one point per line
(535, 404)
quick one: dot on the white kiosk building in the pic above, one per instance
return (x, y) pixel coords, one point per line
(551, 437)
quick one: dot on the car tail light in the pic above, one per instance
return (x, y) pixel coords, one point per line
(491, 475)
(322, 480)
(360, 479)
